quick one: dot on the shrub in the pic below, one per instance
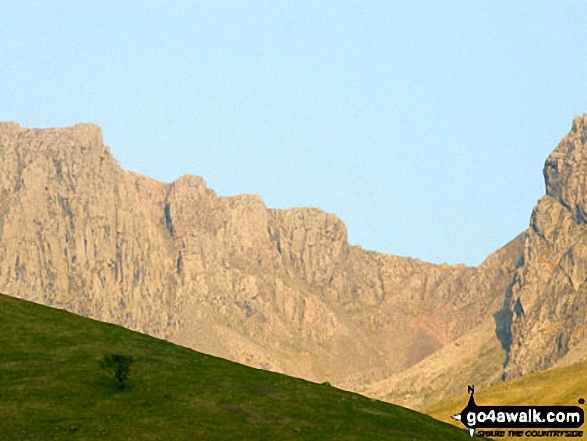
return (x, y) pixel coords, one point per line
(118, 366)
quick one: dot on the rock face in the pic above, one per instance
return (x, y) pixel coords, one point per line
(546, 306)
(276, 289)
(77, 234)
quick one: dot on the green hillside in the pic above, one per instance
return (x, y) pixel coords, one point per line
(52, 388)
(562, 386)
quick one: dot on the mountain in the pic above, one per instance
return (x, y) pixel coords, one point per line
(282, 289)
(278, 289)
(51, 387)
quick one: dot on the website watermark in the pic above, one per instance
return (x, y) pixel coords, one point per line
(559, 420)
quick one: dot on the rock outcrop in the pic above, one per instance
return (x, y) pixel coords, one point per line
(276, 289)
(546, 307)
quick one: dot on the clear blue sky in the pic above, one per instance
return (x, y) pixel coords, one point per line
(423, 125)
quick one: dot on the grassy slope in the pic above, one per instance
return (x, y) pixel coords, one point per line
(52, 388)
(562, 386)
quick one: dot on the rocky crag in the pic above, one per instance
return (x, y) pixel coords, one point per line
(283, 289)
(546, 307)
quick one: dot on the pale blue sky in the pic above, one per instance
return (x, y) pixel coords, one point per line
(423, 125)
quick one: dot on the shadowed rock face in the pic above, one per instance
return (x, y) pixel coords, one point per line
(276, 289)
(548, 306)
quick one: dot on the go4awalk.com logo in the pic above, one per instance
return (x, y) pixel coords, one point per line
(515, 421)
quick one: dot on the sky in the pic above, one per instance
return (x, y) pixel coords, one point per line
(424, 125)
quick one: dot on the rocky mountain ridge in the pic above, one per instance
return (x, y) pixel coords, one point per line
(279, 289)
(271, 288)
